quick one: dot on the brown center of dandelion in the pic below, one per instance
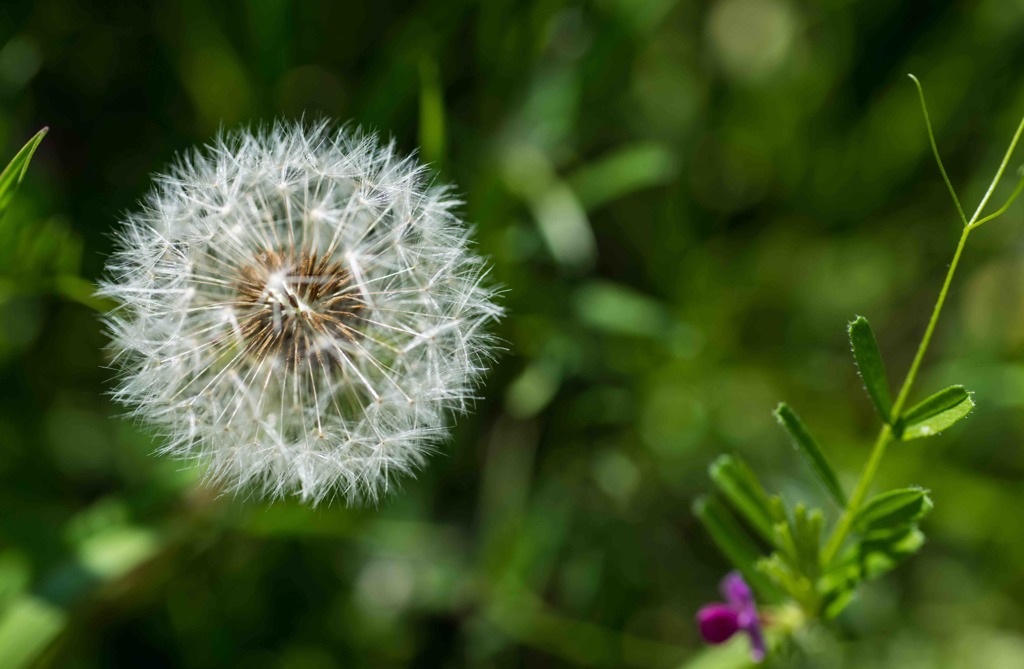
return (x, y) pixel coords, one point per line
(296, 306)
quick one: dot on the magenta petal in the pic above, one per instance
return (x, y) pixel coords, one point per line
(718, 622)
(741, 603)
(757, 644)
(737, 592)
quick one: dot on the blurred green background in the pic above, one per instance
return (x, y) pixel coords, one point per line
(686, 202)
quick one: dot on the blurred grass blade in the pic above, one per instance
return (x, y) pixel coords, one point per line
(619, 309)
(811, 452)
(733, 542)
(740, 486)
(28, 626)
(935, 150)
(12, 175)
(894, 509)
(431, 114)
(561, 219)
(871, 366)
(733, 654)
(622, 172)
(940, 411)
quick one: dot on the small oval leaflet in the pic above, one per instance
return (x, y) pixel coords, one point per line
(811, 452)
(940, 411)
(870, 365)
(895, 509)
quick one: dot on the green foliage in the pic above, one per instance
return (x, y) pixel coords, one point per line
(893, 510)
(871, 367)
(796, 564)
(724, 184)
(431, 130)
(933, 415)
(12, 175)
(734, 542)
(888, 533)
(811, 452)
(740, 486)
(824, 580)
(27, 627)
(878, 554)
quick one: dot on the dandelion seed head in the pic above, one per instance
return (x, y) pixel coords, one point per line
(299, 311)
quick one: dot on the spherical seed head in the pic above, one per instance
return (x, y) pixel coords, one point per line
(299, 311)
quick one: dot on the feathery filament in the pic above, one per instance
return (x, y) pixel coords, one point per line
(298, 311)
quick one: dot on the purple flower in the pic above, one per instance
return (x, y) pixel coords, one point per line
(719, 621)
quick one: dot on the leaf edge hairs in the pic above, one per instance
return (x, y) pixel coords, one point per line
(298, 311)
(805, 576)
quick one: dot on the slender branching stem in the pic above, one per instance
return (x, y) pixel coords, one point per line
(935, 150)
(974, 222)
(885, 436)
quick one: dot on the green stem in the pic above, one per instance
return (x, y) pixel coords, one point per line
(897, 406)
(999, 176)
(835, 542)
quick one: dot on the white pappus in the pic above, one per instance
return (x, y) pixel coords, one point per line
(299, 311)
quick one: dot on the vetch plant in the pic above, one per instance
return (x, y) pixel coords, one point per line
(298, 310)
(805, 573)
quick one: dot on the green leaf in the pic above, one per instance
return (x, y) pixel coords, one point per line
(777, 508)
(787, 549)
(733, 654)
(940, 411)
(792, 581)
(12, 175)
(871, 557)
(799, 542)
(839, 587)
(889, 535)
(807, 526)
(837, 600)
(740, 486)
(880, 555)
(623, 171)
(871, 367)
(940, 401)
(893, 510)
(28, 626)
(811, 453)
(734, 543)
(796, 564)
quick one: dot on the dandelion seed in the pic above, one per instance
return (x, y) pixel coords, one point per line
(299, 311)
